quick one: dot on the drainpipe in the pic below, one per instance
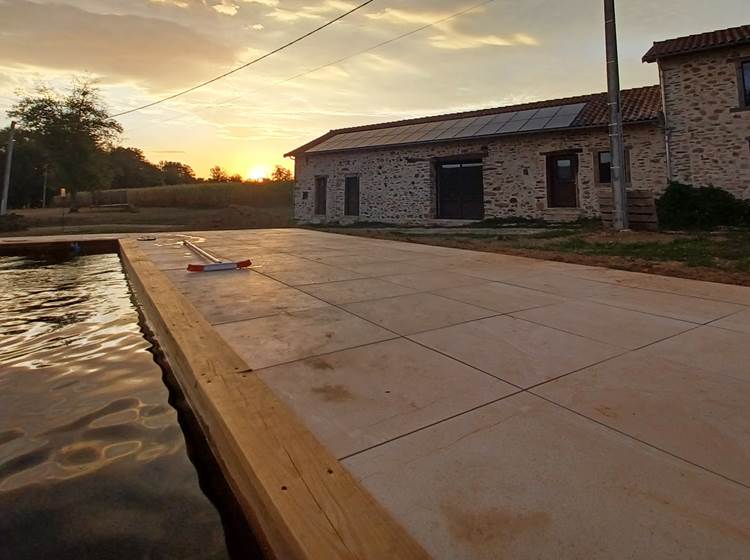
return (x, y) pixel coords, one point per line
(667, 130)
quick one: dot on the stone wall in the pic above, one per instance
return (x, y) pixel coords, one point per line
(708, 131)
(397, 185)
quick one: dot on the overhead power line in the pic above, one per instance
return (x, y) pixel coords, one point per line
(344, 58)
(243, 66)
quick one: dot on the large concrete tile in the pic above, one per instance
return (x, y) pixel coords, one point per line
(708, 348)
(517, 351)
(416, 312)
(358, 398)
(739, 321)
(391, 267)
(500, 297)
(684, 308)
(286, 337)
(310, 273)
(560, 285)
(683, 286)
(433, 280)
(350, 291)
(615, 326)
(700, 416)
(525, 479)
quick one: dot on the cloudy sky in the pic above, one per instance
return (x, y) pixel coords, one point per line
(505, 52)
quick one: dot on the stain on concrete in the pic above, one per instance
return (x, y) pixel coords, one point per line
(491, 527)
(320, 364)
(607, 411)
(333, 393)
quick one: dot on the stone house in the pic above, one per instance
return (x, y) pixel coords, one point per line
(547, 159)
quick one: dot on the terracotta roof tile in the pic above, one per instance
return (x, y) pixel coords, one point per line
(638, 105)
(700, 42)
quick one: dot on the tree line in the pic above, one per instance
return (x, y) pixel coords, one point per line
(68, 140)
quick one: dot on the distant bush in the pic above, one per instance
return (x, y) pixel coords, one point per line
(12, 222)
(204, 195)
(687, 207)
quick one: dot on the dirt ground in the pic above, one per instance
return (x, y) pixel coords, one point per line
(55, 221)
(720, 257)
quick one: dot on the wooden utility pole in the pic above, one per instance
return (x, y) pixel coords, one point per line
(617, 148)
(8, 162)
(44, 186)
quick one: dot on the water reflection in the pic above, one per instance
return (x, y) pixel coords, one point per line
(92, 459)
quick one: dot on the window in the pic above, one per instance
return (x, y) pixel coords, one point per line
(745, 74)
(351, 196)
(321, 194)
(604, 167)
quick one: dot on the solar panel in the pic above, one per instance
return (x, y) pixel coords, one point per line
(560, 116)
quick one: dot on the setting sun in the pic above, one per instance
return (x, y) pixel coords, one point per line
(258, 172)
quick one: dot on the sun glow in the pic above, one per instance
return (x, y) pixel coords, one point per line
(258, 172)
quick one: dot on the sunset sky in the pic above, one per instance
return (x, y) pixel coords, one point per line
(506, 52)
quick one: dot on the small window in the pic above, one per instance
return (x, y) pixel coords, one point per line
(321, 194)
(745, 68)
(351, 196)
(605, 167)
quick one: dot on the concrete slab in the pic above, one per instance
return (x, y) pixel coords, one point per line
(684, 308)
(709, 348)
(499, 297)
(358, 398)
(646, 461)
(525, 479)
(287, 337)
(615, 326)
(350, 291)
(739, 321)
(228, 296)
(433, 280)
(698, 415)
(517, 351)
(416, 312)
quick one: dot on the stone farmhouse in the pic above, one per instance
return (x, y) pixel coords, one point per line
(547, 159)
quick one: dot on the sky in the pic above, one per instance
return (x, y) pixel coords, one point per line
(505, 52)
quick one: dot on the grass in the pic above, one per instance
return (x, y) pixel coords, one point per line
(728, 251)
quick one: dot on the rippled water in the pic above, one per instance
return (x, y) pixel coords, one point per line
(93, 462)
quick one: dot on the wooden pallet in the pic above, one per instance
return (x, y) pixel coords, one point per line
(641, 209)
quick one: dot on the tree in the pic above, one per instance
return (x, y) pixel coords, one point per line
(218, 175)
(27, 176)
(176, 173)
(281, 173)
(236, 178)
(73, 130)
(130, 168)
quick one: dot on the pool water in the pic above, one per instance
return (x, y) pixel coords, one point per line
(93, 462)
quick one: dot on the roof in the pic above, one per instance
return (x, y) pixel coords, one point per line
(638, 105)
(700, 42)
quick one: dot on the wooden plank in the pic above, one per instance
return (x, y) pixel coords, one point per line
(302, 500)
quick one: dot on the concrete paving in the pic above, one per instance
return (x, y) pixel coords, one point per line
(497, 406)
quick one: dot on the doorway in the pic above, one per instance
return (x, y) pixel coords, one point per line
(460, 190)
(562, 181)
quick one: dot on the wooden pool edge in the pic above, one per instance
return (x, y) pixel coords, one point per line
(304, 503)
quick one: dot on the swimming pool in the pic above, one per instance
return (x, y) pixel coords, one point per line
(93, 461)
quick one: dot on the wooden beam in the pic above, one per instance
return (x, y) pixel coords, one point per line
(304, 502)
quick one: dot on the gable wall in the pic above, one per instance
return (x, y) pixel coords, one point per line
(708, 135)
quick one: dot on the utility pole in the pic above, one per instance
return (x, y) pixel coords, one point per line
(8, 162)
(44, 186)
(617, 148)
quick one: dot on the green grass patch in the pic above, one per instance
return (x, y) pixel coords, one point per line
(727, 251)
